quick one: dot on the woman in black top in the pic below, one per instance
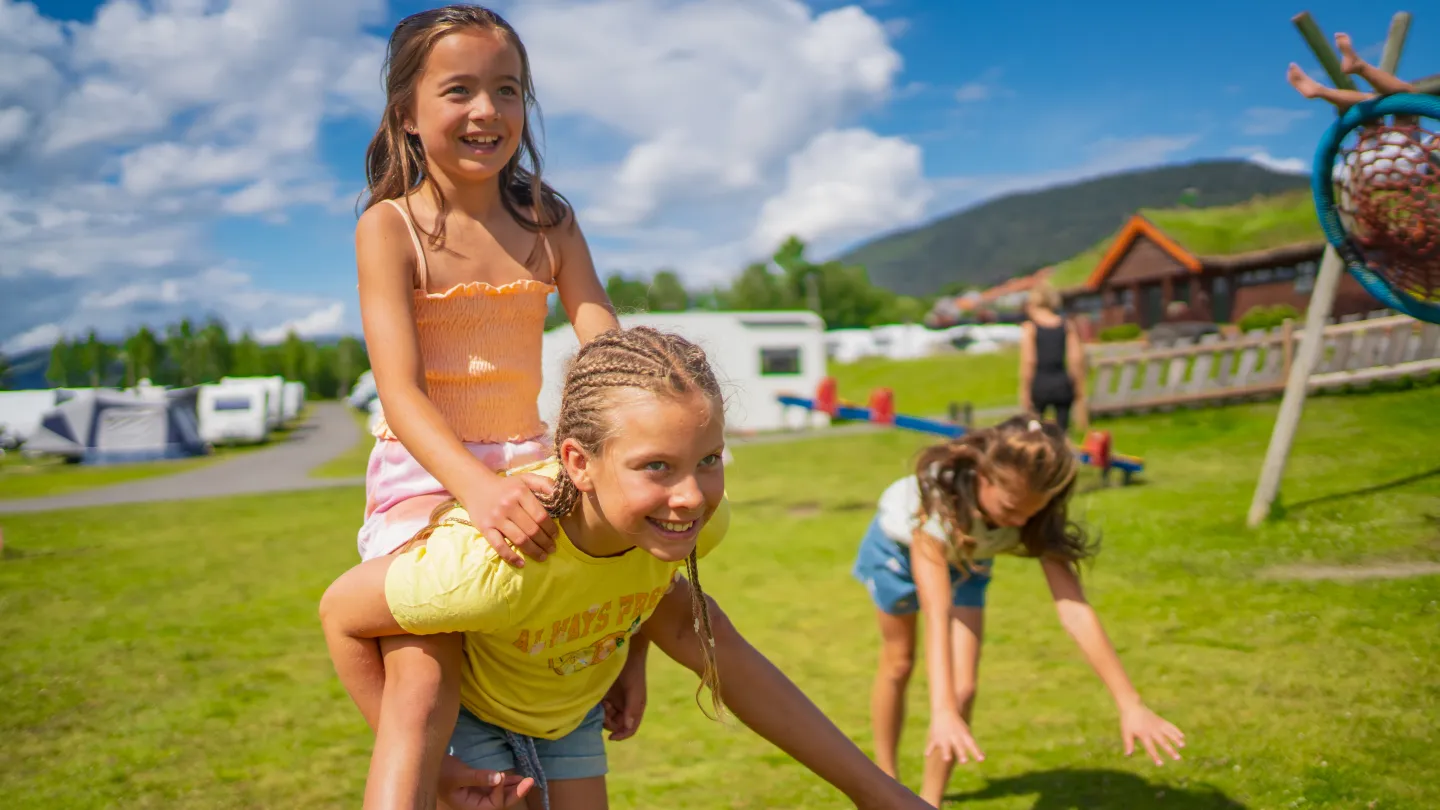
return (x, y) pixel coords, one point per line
(1052, 360)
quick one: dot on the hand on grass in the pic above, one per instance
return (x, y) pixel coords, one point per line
(465, 788)
(950, 738)
(508, 513)
(1152, 730)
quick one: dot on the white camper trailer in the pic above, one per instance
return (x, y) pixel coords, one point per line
(236, 413)
(108, 427)
(274, 396)
(21, 413)
(294, 400)
(757, 355)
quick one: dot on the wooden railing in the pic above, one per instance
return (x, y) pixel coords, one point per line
(1258, 363)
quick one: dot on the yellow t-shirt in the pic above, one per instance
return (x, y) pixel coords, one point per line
(543, 643)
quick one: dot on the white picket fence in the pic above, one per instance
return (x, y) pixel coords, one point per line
(1257, 364)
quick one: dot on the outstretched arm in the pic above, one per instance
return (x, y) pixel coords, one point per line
(766, 701)
(1081, 622)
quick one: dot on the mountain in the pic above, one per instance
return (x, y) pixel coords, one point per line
(1020, 233)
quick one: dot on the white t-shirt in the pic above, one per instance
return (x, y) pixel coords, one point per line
(898, 507)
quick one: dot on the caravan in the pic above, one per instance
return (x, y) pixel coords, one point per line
(21, 413)
(236, 413)
(757, 355)
(274, 396)
(294, 400)
(109, 427)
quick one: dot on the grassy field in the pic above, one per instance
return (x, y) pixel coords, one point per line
(927, 386)
(170, 657)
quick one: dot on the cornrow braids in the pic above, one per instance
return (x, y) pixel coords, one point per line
(644, 359)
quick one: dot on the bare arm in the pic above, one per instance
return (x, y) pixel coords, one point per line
(1137, 721)
(932, 584)
(1027, 363)
(386, 262)
(581, 293)
(772, 706)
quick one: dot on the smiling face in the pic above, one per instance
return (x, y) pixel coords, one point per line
(1005, 499)
(658, 478)
(469, 107)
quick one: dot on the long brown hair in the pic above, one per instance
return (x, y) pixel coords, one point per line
(1021, 449)
(665, 365)
(395, 159)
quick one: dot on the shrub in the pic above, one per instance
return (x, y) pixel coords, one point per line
(1263, 317)
(1115, 334)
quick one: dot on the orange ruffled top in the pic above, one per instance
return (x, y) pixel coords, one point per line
(481, 346)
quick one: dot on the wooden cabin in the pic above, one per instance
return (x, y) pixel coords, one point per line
(1147, 278)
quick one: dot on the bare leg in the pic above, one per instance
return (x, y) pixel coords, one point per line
(1310, 88)
(1383, 82)
(967, 629)
(574, 794)
(417, 716)
(887, 697)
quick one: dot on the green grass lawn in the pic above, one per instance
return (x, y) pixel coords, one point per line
(926, 386)
(170, 656)
(48, 475)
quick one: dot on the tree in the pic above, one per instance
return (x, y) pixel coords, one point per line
(96, 355)
(58, 372)
(141, 356)
(214, 355)
(247, 357)
(180, 350)
(294, 363)
(666, 293)
(4, 372)
(758, 289)
(349, 363)
(627, 295)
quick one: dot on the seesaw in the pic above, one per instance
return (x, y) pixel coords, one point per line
(1095, 452)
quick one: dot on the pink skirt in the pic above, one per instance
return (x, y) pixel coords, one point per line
(400, 494)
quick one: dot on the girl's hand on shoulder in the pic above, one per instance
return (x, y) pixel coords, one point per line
(950, 737)
(510, 516)
(1152, 730)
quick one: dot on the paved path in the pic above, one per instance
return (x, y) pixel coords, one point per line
(329, 431)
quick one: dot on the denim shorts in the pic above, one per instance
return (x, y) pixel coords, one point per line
(883, 567)
(578, 755)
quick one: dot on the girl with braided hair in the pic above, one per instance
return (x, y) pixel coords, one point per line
(998, 490)
(639, 494)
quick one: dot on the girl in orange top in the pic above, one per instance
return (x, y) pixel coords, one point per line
(458, 248)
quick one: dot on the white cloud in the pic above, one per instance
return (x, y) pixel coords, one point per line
(845, 185)
(130, 135)
(709, 97)
(14, 121)
(1292, 165)
(985, 87)
(1271, 120)
(43, 335)
(325, 321)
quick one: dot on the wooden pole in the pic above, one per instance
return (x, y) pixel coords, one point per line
(1322, 298)
(1395, 42)
(1322, 301)
(1322, 49)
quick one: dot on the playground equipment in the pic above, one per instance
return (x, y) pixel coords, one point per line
(1376, 185)
(1095, 452)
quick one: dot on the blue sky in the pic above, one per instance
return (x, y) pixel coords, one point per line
(187, 157)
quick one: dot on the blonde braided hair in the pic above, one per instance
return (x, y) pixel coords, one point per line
(646, 359)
